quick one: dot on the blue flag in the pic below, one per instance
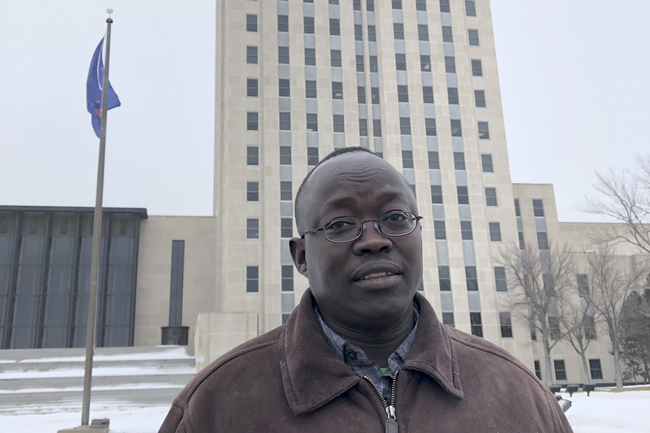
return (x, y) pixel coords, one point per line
(94, 89)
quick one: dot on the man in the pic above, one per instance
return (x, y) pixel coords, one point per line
(363, 352)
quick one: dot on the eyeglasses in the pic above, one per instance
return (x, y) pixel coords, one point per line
(347, 229)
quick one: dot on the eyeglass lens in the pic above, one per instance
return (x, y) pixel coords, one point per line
(391, 224)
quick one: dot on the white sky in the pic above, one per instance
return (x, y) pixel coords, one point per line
(572, 76)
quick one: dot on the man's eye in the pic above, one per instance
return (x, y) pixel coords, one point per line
(397, 216)
(338, 225)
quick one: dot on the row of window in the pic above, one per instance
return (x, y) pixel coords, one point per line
(252, 155)
(595, 369)
(253, 278)
(420, 5)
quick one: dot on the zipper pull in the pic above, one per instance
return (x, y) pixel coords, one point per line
(391, 422)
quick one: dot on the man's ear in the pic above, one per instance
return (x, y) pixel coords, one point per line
(299, 255)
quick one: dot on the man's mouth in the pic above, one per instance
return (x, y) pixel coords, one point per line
(376, 275)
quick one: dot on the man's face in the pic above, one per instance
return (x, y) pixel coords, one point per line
(349, 280)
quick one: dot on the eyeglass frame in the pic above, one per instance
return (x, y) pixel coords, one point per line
(363, 227)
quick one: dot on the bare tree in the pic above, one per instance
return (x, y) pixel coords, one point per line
(579, 323)
(613, 277)
(625, 198)
(541, 283)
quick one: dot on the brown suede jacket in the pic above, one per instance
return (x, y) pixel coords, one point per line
(290, 380)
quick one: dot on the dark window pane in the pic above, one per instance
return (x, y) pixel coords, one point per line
(477, 68)
(427, 94)
(252, 155)
(310, 56)
(479, 98)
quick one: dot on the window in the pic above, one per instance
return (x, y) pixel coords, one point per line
(434, 161)
(407, 159)
(486, 163)
(358, 32)
(374, 95)
(506, 325)
(361, 94)
(425, 63)
(312, 122)
(287, 278)
(252, 279)
(251, 55)
(522, 243)
(283, 23)
(283, 55)
(335, 57)
(483, 131)
(307, 1)
(447, 35)
(444, 278)
(463, 196)
(470, 8)
(251, 121)
(439, 229)
(538, 208)
(252, 228)
(452, 95)
(500, 279)
(476, 324)
(466, 230)
(251, 23)
(554, 327)
(471, 279)
(477, 69)
(444, 6)
(252, 191)
(479, 98)
(285, 155)
(456, 129)
(594, 369)
(284, 87)
(423, 32)
(309, 25)
(420, 5)
(459, 161)
(427, 94)
(337, 90)
(473, 37)
(398, 31)
(286, 227)
(374, 67)
(430, 127)
(356, 5)
(560, 372)
(495, 232)
(542, 241)
(363, 127)
(400, 62)
(285, 190)
(310, 57)
(448, 319)
(285, 121)
(335, 27)
(370, 5)
(538, 370)
(450, 64)
(312, 156)
(405, 125)
(360, 64)
(372, 34)
(251, 87)
(491, 196)
(252, 155)
(583, 284)
(517, 209)
(339, 123)
(310, 89)
(436, 194)
(376, 127)
(402, 93)
(397, 4)
(590, 327)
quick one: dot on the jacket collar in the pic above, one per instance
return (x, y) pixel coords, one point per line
(312, 373)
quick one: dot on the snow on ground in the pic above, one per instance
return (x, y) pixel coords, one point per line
(602, 412)
(97, 372)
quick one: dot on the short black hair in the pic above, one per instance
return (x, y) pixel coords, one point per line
(301, 190)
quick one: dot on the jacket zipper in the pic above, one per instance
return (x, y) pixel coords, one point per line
(391, 422)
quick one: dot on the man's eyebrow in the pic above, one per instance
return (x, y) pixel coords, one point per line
(347, 201)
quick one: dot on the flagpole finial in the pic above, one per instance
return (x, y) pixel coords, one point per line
(109, 12)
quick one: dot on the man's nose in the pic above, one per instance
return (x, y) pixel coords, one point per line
(372, 240)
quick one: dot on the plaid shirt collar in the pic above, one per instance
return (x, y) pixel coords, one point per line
(358, 361)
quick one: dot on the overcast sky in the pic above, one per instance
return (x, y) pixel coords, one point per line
(573, 79)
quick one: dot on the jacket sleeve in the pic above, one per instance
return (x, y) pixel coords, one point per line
(561, 422)
(174, 421)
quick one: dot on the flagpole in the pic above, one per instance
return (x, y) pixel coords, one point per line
(97, 233)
